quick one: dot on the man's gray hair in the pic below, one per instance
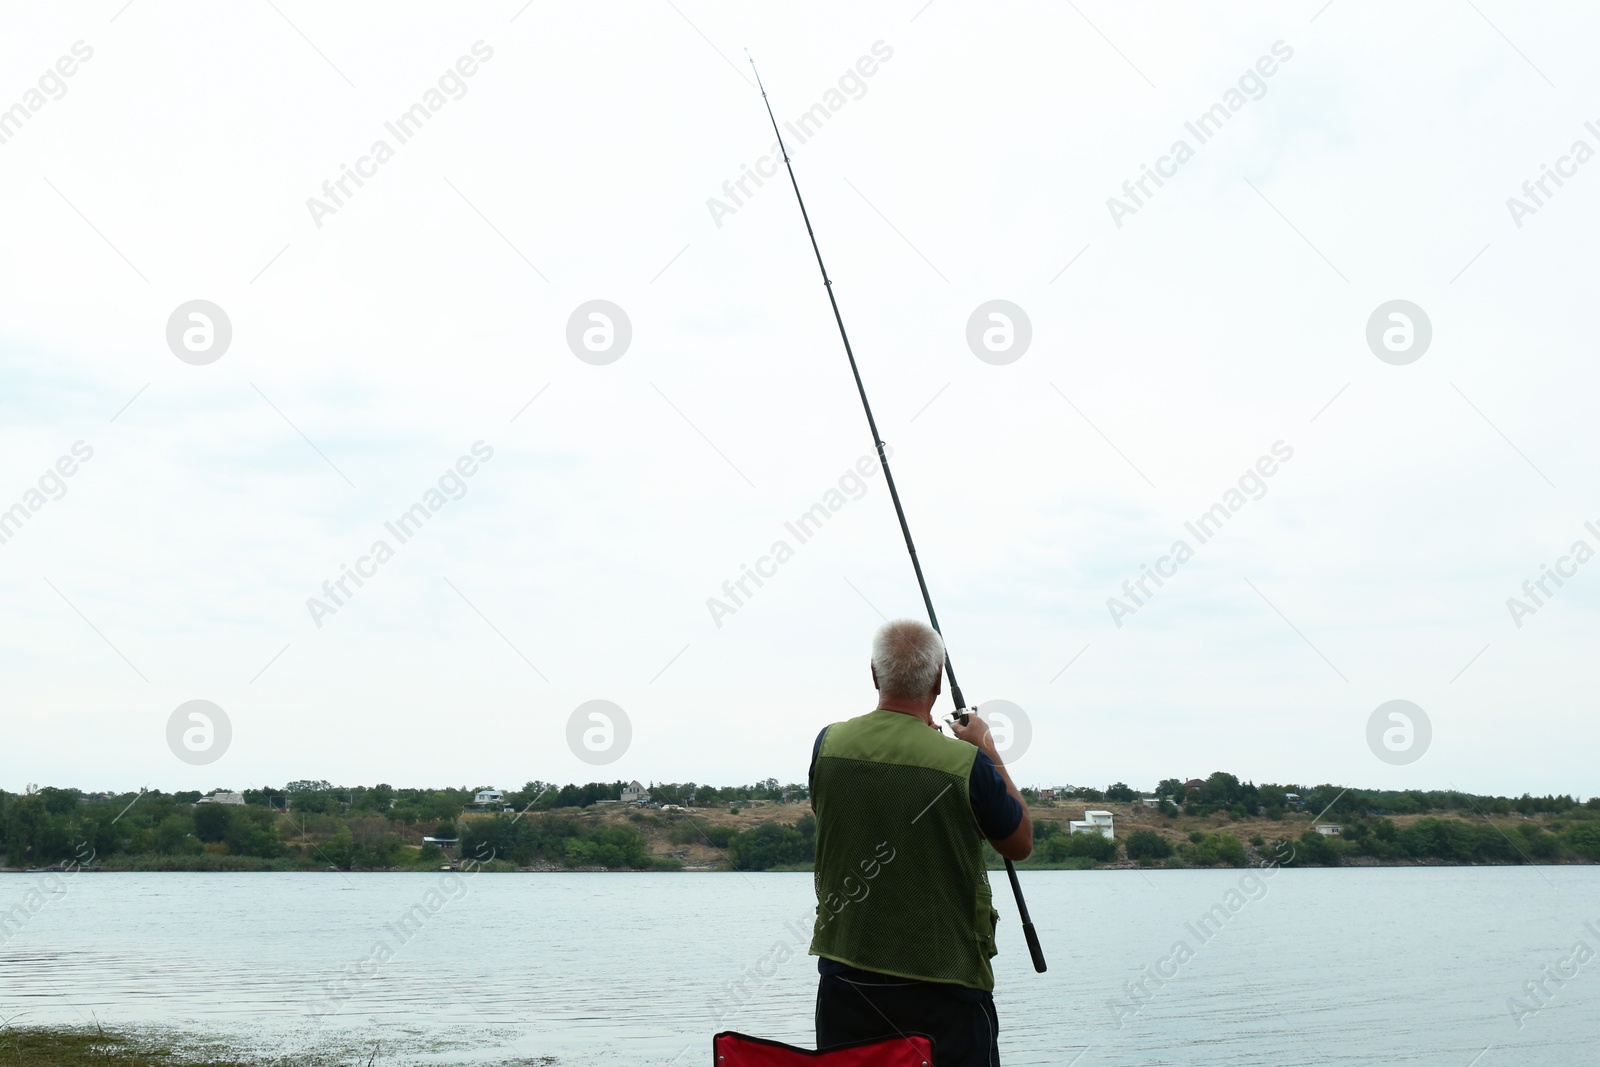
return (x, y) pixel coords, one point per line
(907, 656)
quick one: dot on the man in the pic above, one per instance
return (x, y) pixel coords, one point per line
(905, 927)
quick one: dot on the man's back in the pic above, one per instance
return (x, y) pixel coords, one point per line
(901, 885)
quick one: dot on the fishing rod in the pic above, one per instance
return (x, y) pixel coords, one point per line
(894, 494)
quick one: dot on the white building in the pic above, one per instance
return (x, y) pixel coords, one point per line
(634, 793)
(1093, 822)
(489, 796)
(1329, 829)
(220, 797)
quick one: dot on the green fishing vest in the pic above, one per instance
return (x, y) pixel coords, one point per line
(900, 878)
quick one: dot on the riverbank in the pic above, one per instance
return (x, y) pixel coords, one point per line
(623, 826)
(774, 836)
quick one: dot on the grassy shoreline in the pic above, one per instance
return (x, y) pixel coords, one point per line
(67, 1046)
(164, 1046)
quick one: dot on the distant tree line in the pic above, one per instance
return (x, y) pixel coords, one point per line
(546, 796)
(1224, 793)
(1575, 840)
(1455, 841)
(54, 825)
(314, 824)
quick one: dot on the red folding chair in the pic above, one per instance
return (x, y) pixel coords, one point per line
(740, 1050)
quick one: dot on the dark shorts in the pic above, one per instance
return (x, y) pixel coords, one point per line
(861, 1006)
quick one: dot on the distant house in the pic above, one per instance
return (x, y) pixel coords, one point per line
(1194, 783)
(1093, 822)
(1047, 794)
(220, 797)
(489, 796)
(1151, 802)
(1329, 829)
(442, 842)
(1293, 798)
(634, 793)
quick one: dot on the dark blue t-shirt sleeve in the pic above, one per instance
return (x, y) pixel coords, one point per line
(998, 812)
(816, 750)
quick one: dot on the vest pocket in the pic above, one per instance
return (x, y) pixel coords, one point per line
(986, 919)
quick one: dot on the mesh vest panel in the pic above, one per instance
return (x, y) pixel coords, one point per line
(900, 879)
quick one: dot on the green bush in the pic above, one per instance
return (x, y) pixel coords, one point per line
(553, 838)
(772, 844)
(1457, 841)
(1092, 846)
(1312, 849)
(1213, 849)
(1583, 840)
(1535, 844)
(610, 847)
(1147, 845)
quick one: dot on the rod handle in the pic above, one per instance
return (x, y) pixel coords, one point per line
(1033, 947)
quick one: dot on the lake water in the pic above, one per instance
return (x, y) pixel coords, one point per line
(1316, 967)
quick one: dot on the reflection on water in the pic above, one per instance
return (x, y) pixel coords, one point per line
(1317, 967)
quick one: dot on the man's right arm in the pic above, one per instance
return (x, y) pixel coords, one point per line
(1018, 844)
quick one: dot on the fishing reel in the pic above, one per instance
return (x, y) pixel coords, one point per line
(960, 715)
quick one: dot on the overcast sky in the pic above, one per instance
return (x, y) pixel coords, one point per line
(1355, 154)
